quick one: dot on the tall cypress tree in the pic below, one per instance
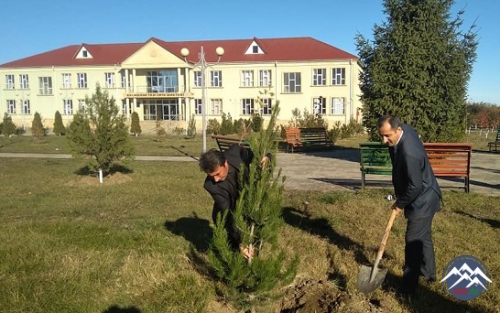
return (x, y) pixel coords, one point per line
(258, 217)
(59, 128)
(37, 130)
(418, 67)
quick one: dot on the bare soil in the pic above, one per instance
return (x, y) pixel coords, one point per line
(92, 180)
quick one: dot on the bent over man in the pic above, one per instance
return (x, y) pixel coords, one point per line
(222, 182)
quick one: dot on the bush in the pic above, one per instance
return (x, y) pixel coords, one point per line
(37, 130)
(213, 127)
(8, 127)
(256, 122)
(308, 120)
(242, 128)
(178, 131)
(135, 127)
(59, 128)
(191, 131)
(226, 127)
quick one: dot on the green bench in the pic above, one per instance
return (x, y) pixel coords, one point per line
(494, 146)
(375, 159)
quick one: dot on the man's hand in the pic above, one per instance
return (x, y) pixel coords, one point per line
(398, 210)
(264, 162)
(247, 252)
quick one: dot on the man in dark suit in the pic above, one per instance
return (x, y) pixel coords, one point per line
(417, 194)
(222, 182)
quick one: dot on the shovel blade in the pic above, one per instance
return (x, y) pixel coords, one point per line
(367, 283)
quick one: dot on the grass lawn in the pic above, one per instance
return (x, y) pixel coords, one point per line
(69, 244)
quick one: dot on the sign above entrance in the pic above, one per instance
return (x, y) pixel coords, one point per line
(158, 95)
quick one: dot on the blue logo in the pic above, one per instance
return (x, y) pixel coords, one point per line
(466, 277)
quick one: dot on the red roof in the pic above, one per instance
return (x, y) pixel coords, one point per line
(275, 49)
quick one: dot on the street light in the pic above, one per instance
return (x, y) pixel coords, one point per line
(203, 65)
(23, 106)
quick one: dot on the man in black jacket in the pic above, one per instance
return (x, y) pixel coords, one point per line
(417, 194)
(222, 182)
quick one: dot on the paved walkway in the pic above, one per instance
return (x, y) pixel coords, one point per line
(339, 170)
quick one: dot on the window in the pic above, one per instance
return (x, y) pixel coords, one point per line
(265, 78)
(255, 49)
(247, 106)
(11, 106)
(338, 76)
(82, 80)
(162, 81)
(215, 106)
(26, 107)
(81, 105)
(198, 107)
(110, 80)
(45, 85)
(9, 82)
(266, 108)
(247, 78)
(216, 78)
(338, 106)
(23, 81)
(68, 106)
(319, 77)
(198, 82)
(292, 82)
(319, 106)
(66, 80)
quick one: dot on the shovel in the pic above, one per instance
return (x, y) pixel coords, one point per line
(369, 278)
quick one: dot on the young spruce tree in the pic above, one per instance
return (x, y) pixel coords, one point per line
(418, 67)
(99, 133)
(258, 216)
(59, 128)
(8, 127)
(37, 130)
(135, 126)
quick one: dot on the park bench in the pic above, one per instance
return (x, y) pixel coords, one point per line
(446, 159)
(224, 142)
(375, 159)
(307, 138)
(450, 160)
(494, 146)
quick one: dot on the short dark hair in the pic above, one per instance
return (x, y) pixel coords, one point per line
(391, 119)
(210, 160)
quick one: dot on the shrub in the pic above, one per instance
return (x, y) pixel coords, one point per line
(37, 130)
(213, 127)
(135, 126)
(59, 128)
(226, 126)
(191, 131)
(8, 127)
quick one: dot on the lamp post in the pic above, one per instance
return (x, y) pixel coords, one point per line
(23, 106)
(203, 65)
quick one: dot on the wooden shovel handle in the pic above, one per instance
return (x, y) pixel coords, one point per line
(383, 243)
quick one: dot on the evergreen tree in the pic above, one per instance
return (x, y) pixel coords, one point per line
(8, 127)
(59, 128)
(258, 216)
(135, 126)
(417, 67)
(99, 132)
(191, 131)
(37, 130)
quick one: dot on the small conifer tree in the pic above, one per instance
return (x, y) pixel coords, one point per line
(258, 216)
(99, 132)
(135, 126)
(37, 130)
(8, 127)
(59, 128)
(191, 131)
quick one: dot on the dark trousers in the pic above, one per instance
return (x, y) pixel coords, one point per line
(419, 252)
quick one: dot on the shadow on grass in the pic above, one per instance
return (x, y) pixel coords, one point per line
(493, 223)
(184, 153)
(193, 229)
(117, 309)
(115, 168)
